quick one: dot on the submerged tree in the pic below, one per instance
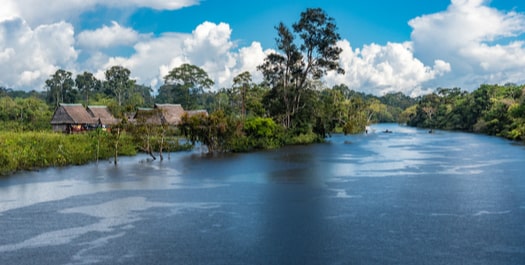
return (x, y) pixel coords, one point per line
(145, 129)
(213, 131)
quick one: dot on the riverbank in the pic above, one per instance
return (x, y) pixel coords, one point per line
(34, 150)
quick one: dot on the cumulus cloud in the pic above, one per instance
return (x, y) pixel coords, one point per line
(480, 43)
(380, 69)
(209, 47)
(107, 36)
(28, 56)
(248, 58)
(35, 40)
(464, 46)
(147, 64)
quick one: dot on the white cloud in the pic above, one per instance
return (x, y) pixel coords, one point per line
(481, 43)
(467, 45)
(209, 47)
(248, 58)
(379, 69)
(9, 10)
(37, 12)
(28, 56)
(35, 41)
(105, 37)
(148, 63)
(156, 4)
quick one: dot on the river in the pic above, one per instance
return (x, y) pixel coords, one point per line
(406, 197)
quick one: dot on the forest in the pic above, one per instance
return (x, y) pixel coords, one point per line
(490, 109)
(290, 106)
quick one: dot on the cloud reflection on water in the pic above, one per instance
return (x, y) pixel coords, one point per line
(114, 218)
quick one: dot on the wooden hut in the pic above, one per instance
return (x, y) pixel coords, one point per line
(104, 118)
(147, 116)
(70, 118)
(171, 114)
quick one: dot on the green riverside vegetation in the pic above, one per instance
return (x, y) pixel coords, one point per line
(33, 150)
(490, 109)
(290, 106)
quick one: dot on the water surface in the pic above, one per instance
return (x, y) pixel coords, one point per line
(406, 197)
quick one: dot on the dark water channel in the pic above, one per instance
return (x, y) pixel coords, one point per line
(406, 197)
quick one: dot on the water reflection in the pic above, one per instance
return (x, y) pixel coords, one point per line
(27, 194)
(293, 214)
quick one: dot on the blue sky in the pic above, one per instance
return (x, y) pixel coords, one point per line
(359, 21)
(411, 46)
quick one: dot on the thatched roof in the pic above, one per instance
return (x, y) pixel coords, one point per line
(102, 113)
(72, 114)
(148, 116)
(197, 112)
(171, 113)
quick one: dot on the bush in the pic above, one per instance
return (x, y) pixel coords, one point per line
(304, 138)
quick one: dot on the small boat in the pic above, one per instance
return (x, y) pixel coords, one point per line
(387, 131)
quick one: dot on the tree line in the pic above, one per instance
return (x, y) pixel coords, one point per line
(491, 109)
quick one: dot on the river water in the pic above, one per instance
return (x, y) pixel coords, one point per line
(406, 197)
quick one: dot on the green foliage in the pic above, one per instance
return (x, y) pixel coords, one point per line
(87, 83)
(33, 150)
(303, 138)
(60, 87)
(119, 84)
(212, 130)
(24, 114)
(260, 133)
(260, 127)
(490, 109)
(291, 73)
(187, 83)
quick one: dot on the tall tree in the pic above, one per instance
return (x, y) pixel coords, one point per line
(87, 83)
(241, 85)
(119, 82)
(290, 72)
(189, 81)
(60, 88)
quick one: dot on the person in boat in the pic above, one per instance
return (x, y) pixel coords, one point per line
(388, 131)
